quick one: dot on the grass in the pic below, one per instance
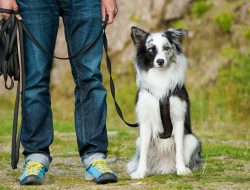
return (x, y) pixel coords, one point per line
(226, 165)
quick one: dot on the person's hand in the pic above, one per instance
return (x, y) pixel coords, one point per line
(9, 4)
(109, 7)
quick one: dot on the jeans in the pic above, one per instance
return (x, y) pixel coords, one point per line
(82, 21)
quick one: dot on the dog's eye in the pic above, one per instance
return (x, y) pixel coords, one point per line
(166, 48)
(151, 50)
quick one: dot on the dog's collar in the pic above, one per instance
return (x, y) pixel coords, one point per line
(175, 91)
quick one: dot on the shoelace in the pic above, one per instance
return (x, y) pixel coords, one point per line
(101, 166)
(33, 168)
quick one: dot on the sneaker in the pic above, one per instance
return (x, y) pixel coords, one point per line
(34, 174)
(100, 172)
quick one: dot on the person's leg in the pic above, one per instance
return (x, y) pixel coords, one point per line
(41, 18)
(83, 22)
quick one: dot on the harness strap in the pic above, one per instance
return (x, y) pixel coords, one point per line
(12, 67)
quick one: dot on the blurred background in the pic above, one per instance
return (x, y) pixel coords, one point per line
(218, 76)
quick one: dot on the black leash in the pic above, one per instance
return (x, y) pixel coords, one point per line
(10, 63)
(12, 68)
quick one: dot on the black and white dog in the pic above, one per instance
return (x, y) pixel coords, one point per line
(166, 143)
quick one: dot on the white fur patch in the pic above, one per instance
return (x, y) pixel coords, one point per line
(178, 109)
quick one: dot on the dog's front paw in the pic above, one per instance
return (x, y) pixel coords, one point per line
(183, 171)
(137, 175)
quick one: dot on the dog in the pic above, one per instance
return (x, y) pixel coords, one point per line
(166, 143)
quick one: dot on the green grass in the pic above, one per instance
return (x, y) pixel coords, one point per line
(224, 161)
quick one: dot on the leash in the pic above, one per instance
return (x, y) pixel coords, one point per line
(12, 68)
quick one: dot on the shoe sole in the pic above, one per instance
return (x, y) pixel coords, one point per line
(106, 181)
(103, 180)
(31, 180)
(107, 178)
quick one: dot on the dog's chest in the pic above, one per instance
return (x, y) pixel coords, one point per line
(157, 81)
(160, 119)
(148, 112)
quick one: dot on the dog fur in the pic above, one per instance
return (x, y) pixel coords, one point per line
(166, 143)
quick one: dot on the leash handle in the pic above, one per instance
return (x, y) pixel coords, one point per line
(8, 11)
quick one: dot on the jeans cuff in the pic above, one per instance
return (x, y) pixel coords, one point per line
(39, 157)
(89, 159)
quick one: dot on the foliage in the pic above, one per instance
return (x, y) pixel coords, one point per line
(199, 8)
(247, 33)
(224, 21)
(179, 24)
(232, 88)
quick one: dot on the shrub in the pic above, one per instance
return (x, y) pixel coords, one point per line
(224, 21)
(200, 8)
(247, 33)
(232, 88)
(179, 24)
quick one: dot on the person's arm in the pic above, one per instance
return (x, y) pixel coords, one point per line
(109, 7)
(9, 4)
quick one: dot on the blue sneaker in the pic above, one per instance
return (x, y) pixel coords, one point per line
(34, 174)
(100, 172)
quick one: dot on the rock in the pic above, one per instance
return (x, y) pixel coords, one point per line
(176, 9)
(112, 159)
(147, 13)
(245, 11)
(112, 133)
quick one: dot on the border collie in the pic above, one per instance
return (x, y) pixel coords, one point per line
(166, 143)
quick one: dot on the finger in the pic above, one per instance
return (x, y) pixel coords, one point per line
(111, 17)
(103, 13)
(19, 17)
(5, 16)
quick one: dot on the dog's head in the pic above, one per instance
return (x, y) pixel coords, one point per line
(157, 50)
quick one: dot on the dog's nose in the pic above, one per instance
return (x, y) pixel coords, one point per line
(160, 62)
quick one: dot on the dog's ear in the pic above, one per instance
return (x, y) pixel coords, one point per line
(175, 36)
(138, 35)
